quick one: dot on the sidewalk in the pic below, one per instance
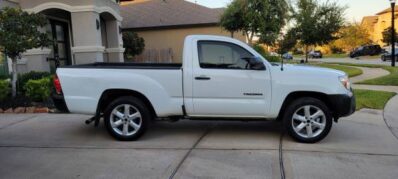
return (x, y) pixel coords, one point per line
(391, 109)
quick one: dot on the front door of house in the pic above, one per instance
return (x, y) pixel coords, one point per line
(61, 45)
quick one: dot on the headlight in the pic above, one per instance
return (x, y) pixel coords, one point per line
(345, 82)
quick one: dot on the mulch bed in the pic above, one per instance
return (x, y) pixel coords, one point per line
(22, 104)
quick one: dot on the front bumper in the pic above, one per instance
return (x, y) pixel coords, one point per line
(342, 105)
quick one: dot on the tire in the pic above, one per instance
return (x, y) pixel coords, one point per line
(295, 117)
(122, 127)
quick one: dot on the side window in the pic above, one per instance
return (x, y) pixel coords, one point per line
(222, 55)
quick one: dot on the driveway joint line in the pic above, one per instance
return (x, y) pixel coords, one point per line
(208, 130)
(332, 152)
(281, 164)
(183, 149)
(127, 148)
(17, 122)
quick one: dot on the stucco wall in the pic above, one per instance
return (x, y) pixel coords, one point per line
(28, 4)
(174, 38)
(4, 3)
(383, 22)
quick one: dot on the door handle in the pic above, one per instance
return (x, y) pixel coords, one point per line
(202, 78)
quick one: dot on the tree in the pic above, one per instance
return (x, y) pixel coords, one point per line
(262, 18)
(133, 44)
(317, 24)
(19, 32)
(287, 42)
(232, 18)
(351, 36)
(387, 36)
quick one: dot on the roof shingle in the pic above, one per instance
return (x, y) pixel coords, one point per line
(166, 13)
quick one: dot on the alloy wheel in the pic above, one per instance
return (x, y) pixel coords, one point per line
(125, 120)
(309, 121)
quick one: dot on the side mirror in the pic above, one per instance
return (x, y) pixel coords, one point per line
(255, 63)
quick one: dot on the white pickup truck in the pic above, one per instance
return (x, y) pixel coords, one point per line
(220, 78)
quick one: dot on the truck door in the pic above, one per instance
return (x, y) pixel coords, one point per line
(224, 86)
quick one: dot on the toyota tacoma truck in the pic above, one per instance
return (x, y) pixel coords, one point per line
(220, 78)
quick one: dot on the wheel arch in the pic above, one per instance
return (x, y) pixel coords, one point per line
(111, 94)
(299, 94)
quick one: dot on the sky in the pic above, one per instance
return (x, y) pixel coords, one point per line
(356, 8)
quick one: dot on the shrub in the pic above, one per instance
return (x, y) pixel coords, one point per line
(38, 90)
(265, 54)
(4, 77)
(297, 51)
(33, 75)
(273, 58)
(260, 50)
(4, 89)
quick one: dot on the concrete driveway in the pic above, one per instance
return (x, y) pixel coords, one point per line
(61, 146)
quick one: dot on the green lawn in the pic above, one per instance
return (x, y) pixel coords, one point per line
(336, 55)
(389, 80)
(351, 71)
(372, 99)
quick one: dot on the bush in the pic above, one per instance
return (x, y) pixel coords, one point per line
(4, 89)
(4, 77)
(273, 58)
(38, 90)
(260, 50)
(265, 54)
(297, 51)
(33, 75)
(336, 50)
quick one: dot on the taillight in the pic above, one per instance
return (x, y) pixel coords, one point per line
(57, 85)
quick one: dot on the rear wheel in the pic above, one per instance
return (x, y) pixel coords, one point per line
(127, 118)
(308, 120)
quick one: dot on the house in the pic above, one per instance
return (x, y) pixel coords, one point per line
(84, 31)
(378, 23)
(165, 24)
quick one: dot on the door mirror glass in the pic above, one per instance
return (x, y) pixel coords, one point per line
(254, 63)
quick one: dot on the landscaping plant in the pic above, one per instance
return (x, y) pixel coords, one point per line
(4, 89)
(265, 54)
(33, 75)
(38, 90)
(19, 32)
(133, 44)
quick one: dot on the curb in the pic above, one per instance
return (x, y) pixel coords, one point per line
(25, 110)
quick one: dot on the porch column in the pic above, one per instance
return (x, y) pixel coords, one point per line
(115, 48)
(35, 60)
(87, 41)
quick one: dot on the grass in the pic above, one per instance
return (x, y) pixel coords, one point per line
(336, 55)
(351, 71)
(372, 99)
(388, 80)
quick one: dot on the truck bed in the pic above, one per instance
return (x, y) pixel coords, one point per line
(165, 66)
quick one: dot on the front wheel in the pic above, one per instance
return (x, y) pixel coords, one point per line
(127, 118)
(308, 120)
